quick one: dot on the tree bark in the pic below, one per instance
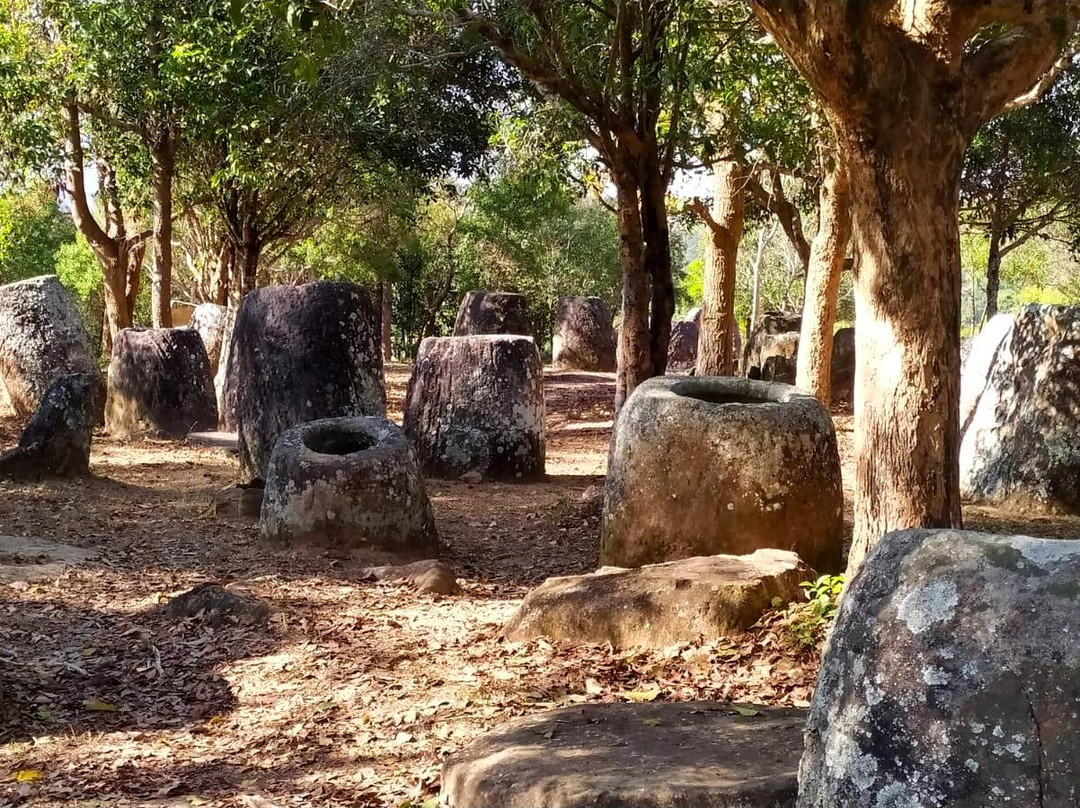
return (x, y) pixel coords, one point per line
(163, 169)
(827, 256)
(908, 286)
(635, 353)
(387, 314)
(716, 348)
(657, 256)
(248, 260)
(993, 276)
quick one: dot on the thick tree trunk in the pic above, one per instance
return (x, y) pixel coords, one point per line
(635, 355)
(993, 276)
(387, 314)
(161, 277)
(248, 260)
(716, 349)
(827, 255)
(654, 224)
(907, 385)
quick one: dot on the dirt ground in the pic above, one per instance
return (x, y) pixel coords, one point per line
(353, 692)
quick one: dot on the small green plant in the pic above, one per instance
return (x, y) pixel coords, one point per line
(807, 623)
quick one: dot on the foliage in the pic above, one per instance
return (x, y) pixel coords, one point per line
(808, 623)
(32, 229)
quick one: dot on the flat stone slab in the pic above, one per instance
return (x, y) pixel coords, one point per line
(24, 558)
(681, 755)
(662, 604)
(226, 441)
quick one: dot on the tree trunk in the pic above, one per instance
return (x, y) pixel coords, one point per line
(249, 264)
(161, 278)
(635, 355)
(908, 286)
(765, 234)
(993, 276)
(827, 255)
(716, 349)
(387, 314)
(657, 235)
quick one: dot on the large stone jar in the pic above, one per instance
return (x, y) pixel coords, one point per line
(350, 483)
(476, 405)
(711, 465)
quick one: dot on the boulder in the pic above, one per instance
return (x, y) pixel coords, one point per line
(427, 577)
(694, 754)
(350, 483)
(1019, 443)
(843, 365)
(42, 336)
(159, 384)
(764, 344)
(663, 604)
(584, 337)
(950, 677)
(982, 357)
(476, 404)
(225, 394)
(711, 465)
(56, 441)
(300, 354)
(780, 369)
(683, 348)
(493, 313)
(209, 320)
(182, 313)
(215, 605)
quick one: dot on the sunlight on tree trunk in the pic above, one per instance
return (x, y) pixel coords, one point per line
(635, 357)
(827, 255)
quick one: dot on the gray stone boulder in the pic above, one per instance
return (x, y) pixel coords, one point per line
(950, 678)
(493, 313)
(779, 369)
(42, 336)
(584, 337)
(694, 754)
(711, 465)
(348, 483)
(1021, 421)
(663, 604)
(776, 334)
(56, 441)
(210, 320)
(843, 365)
(476, 404)
(216, 605)
(300, 354)
(159, 384)
(982, 356)
(683, 347)
(427, 577)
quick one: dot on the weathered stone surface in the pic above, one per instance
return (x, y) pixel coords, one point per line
(712, 465)
(240, 501)
(682, 755)
(300, 354)
(348, 483)
(159, 384)
(42, 336)
(493, 313)
(981, 359)
(950, 677)
(56, 441)
(776, 334)
(223, 391)
(428, 577)
(584, 337)
(683, 348)
(477, 404)
(843, 365)
(210, 320)
(662, 604)
(215, 604)
(1021, 440)
(780, 369)
(182, 313)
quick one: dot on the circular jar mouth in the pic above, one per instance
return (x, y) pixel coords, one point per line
(337, 442)
(729, 391)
